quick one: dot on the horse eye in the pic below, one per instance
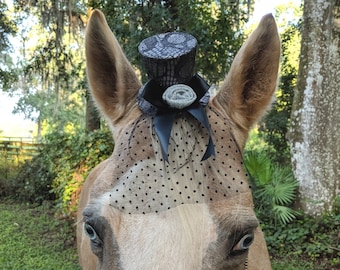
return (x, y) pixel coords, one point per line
(244, 243)
(96, 242)
(90, 232)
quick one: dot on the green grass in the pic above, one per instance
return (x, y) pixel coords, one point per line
(32, 238)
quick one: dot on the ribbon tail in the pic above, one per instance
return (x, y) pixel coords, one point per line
(200, 114)
(163, 125)
(210, 151)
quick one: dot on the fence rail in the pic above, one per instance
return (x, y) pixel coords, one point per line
(18, 148)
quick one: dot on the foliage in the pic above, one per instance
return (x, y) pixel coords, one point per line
(50, 74)
(61, 167)
(255, 142)
(314, 240)
(274, 127)
(7, 29)
(217, 25)
(78, 155)
(8, 173)
(32, 238)
(274, 188)
(50, 77)
(336, 206)
(6, 25)
(51, 69)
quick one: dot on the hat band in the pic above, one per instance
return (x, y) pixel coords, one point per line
(151, 102)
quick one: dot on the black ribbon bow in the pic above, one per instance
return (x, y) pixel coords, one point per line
(151, 102)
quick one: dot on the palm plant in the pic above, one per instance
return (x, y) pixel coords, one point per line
(274, 187)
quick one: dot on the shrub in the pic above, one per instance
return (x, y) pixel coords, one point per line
(309, 239)
(8, 173)
(33, 182)
(81, 154)
(274, 187)
(61, 166)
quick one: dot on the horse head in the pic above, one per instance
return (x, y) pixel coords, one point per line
(174, 195)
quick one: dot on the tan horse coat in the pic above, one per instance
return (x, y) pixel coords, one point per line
(137, 211)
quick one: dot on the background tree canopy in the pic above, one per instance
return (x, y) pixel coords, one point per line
(51, 69)
(7, 28)
(51, 66)
(49, 75)
(217, 25)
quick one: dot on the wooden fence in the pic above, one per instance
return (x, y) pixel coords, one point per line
(18, 148)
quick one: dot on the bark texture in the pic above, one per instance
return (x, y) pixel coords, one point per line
(314, 132)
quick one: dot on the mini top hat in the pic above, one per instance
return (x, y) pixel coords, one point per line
(169, 58)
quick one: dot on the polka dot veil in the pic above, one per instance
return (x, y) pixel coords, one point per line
(145, 183)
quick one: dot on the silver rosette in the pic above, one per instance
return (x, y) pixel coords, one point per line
(179, 96)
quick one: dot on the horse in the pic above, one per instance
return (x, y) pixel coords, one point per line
(140, 209)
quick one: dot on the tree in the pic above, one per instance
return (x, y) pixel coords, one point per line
(52, 70)
(217, 21)
(52, 80)
(7, 28)
(315, 122)
(217, 26)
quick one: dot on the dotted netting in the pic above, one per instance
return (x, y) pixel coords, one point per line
(145, 183)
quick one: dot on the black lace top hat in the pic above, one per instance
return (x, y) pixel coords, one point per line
(169, 58)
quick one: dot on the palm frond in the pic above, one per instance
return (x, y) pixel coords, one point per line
(285, 185)
(258, 165)
(284, 214)
(274, 187)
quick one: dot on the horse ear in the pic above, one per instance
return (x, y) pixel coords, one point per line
(113, 82)
(248, 88)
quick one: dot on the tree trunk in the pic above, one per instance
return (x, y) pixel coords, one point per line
(92, 115)
(315, 130)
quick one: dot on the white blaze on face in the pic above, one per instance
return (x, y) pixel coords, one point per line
(173, 239)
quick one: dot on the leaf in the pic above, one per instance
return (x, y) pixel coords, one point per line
(284, 214)
(258, 165)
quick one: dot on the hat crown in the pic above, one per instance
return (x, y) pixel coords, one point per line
(169, 58)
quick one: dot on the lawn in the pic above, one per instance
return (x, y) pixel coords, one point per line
(32, 238)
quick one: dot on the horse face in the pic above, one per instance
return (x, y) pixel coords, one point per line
(140, 211)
